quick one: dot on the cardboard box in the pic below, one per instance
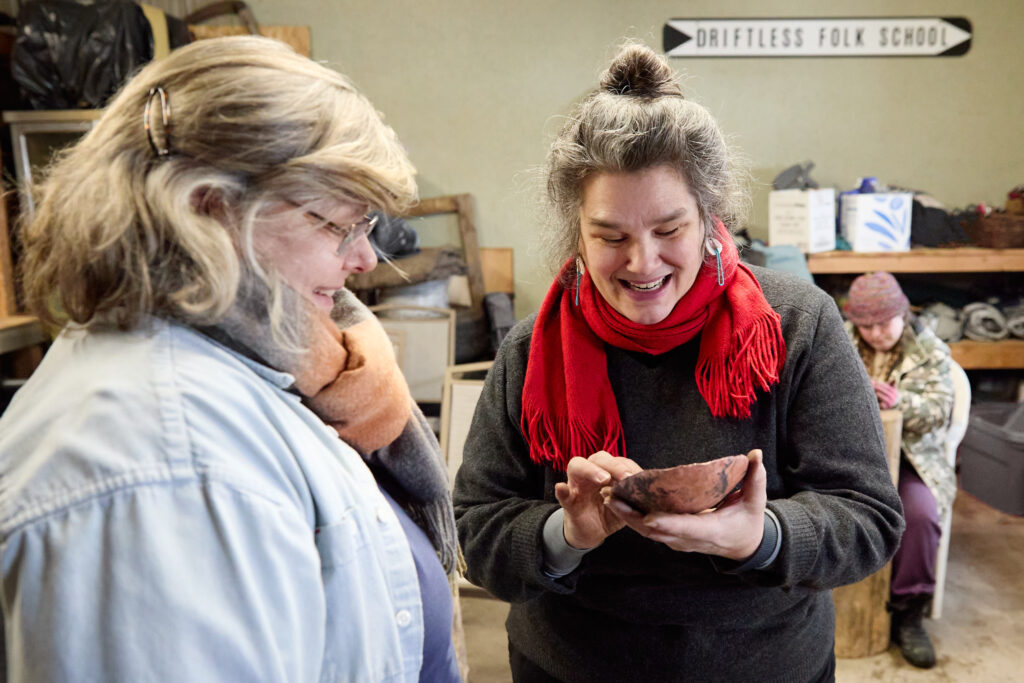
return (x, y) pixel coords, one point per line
(876, 222)
(805, 219)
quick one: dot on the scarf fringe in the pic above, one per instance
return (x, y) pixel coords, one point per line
(439, 525)
(729, 382)
(556, 441)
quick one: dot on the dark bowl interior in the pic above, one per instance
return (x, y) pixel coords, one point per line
(684, 488)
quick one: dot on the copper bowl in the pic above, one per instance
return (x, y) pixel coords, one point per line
(685, 488)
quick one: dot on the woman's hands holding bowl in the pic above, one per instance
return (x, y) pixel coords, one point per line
(732, 530)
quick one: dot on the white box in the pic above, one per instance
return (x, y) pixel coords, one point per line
(803, 218)
(876, 222)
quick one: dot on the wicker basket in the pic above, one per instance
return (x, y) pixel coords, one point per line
(998, 231)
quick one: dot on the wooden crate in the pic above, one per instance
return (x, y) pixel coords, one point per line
(296, 36)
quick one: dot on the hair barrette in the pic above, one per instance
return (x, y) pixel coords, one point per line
(165, 121)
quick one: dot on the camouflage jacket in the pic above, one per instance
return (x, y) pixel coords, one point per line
(926, 401)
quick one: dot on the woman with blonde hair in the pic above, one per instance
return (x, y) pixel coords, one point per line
(656, 347)
(217, 472)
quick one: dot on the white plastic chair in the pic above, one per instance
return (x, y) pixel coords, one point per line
(957, 429)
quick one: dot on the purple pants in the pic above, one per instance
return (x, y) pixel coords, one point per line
(913, 566)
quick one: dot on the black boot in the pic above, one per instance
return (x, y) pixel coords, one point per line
(908, 631)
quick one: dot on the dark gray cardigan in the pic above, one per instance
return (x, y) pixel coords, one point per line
(635, 610)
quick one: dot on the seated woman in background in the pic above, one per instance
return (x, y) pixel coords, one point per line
(656, 343)
(909, 370)
(217, 473)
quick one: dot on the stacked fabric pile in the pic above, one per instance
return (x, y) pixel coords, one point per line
(979, 321)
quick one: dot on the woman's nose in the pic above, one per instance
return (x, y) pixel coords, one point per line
(360, 256)
(643, 255)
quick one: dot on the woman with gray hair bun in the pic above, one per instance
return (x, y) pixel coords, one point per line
(217, 473)
(655, 347)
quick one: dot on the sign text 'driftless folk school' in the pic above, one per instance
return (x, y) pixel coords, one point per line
(913, 36)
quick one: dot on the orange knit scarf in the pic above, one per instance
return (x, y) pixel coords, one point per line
(351, 380)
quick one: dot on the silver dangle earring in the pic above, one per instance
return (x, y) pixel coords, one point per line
(579, 276)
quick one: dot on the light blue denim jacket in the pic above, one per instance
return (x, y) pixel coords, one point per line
(168, 511)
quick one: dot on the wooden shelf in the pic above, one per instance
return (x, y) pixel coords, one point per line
(975, 355)
(970, 355)
(954, 260)
(19, 331)
(51, 115)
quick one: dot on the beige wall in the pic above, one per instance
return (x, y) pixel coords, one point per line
(474, 89)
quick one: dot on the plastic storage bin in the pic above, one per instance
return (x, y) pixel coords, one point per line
(992, 456)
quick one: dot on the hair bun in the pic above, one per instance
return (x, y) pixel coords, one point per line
(638, 72)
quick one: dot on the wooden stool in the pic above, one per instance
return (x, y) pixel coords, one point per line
(862, 622)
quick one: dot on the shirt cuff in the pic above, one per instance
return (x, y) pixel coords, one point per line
(560, 558)
(764, 556)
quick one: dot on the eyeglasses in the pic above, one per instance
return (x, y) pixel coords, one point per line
(346, 234)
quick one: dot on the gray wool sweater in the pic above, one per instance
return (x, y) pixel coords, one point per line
(635, 610)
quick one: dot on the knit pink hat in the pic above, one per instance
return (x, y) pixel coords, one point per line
(875, 298)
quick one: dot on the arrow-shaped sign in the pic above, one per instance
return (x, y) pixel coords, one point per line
(867, 37)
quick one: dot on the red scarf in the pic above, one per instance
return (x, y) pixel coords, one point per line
(568, 405)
